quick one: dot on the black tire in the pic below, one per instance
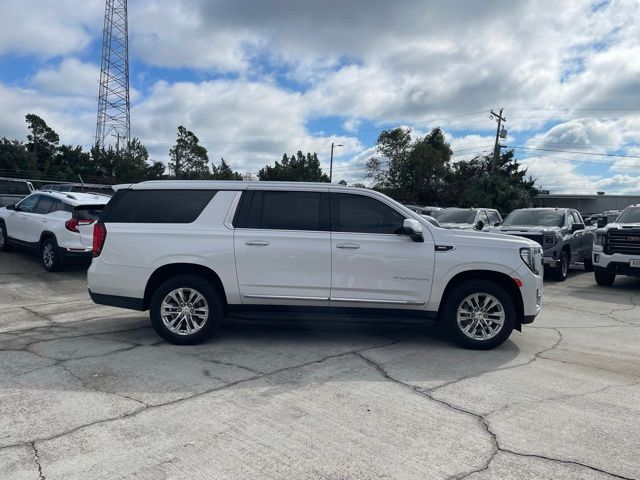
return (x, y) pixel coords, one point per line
(604, 279)
(50, 256)
(588, 264)
(561, 272)
(4, 241)
(214, 303)
(457, 298)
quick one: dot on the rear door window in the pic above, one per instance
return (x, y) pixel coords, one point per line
(157, 206)
(44, 205)
(284, 210)
(493, 217)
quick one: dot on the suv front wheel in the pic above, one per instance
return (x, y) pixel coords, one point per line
(186, 310)
(479, 314)
(605, 279)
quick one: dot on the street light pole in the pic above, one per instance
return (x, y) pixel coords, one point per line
(331, 163)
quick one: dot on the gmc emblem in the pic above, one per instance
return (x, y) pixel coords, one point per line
(633, 239)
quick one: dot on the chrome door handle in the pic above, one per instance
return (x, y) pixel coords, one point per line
(44, 220)
(351, 246)
(256, 243)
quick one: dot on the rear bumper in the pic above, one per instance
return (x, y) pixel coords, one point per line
(117, 301)
(76, 254)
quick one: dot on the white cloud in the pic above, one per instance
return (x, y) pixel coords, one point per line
(248, 123)
(48, 28)
(70, 77)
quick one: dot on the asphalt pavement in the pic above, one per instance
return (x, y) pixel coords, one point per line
(92, 392)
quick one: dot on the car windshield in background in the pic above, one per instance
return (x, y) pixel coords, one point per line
(455, 216)
(630, 215)
(546, 218)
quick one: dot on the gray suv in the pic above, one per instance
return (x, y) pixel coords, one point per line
(560, 231)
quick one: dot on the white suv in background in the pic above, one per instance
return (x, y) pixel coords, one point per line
(59, 226)
(616, 247)
(192, 251)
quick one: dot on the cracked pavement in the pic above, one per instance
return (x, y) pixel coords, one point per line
(92, 392)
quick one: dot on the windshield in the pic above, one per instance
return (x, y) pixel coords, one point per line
(546, 218)
(630, 215)
(455, 216)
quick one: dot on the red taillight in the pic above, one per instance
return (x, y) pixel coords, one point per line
(99, 236)
(72, 224)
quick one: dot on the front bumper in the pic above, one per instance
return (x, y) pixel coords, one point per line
(531, 291)
(617, 263)
(551, 262)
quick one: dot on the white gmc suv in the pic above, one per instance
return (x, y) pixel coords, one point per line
(616, 247)
(192, 251)
(58, 226)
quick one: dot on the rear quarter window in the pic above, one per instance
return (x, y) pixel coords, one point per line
(156, 206)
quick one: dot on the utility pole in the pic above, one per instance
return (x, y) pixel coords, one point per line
(499, 134)
(331, 163)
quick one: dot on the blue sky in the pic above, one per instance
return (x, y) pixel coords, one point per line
(255, 79)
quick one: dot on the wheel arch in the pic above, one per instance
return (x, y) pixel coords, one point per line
(170, 270)
(499, 278)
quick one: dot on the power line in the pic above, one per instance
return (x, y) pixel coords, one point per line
(573, 151)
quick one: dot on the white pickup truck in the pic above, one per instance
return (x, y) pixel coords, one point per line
(616, 247)
(193, 251)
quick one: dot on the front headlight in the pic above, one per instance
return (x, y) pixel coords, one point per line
(549, 240)
(531, 257)
(600, 239)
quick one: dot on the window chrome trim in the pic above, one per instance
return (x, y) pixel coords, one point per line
(228, 221)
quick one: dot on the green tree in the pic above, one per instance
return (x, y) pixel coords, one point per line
(223, 171)
(297, 168)
(188, 158)
(505, 189)
(42, 141)
(16, 159)
(411, 170)
(129, 164)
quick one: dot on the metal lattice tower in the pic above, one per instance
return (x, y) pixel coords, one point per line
(113, 96)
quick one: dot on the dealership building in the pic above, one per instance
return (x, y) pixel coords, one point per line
(586, 204)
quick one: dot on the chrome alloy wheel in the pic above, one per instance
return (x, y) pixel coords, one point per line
(48, 255)
(184, 311)
(480, 316)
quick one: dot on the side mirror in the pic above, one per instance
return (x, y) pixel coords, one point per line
(602, 222)
(413, 229)
(497, 224)
(479, 225)
(577, 226)
(11, 206)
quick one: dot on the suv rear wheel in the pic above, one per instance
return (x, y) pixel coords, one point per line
(186, 310)
(605, 279)
(50, 255)
(479, 314)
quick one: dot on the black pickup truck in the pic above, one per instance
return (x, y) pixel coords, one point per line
(560, 231)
